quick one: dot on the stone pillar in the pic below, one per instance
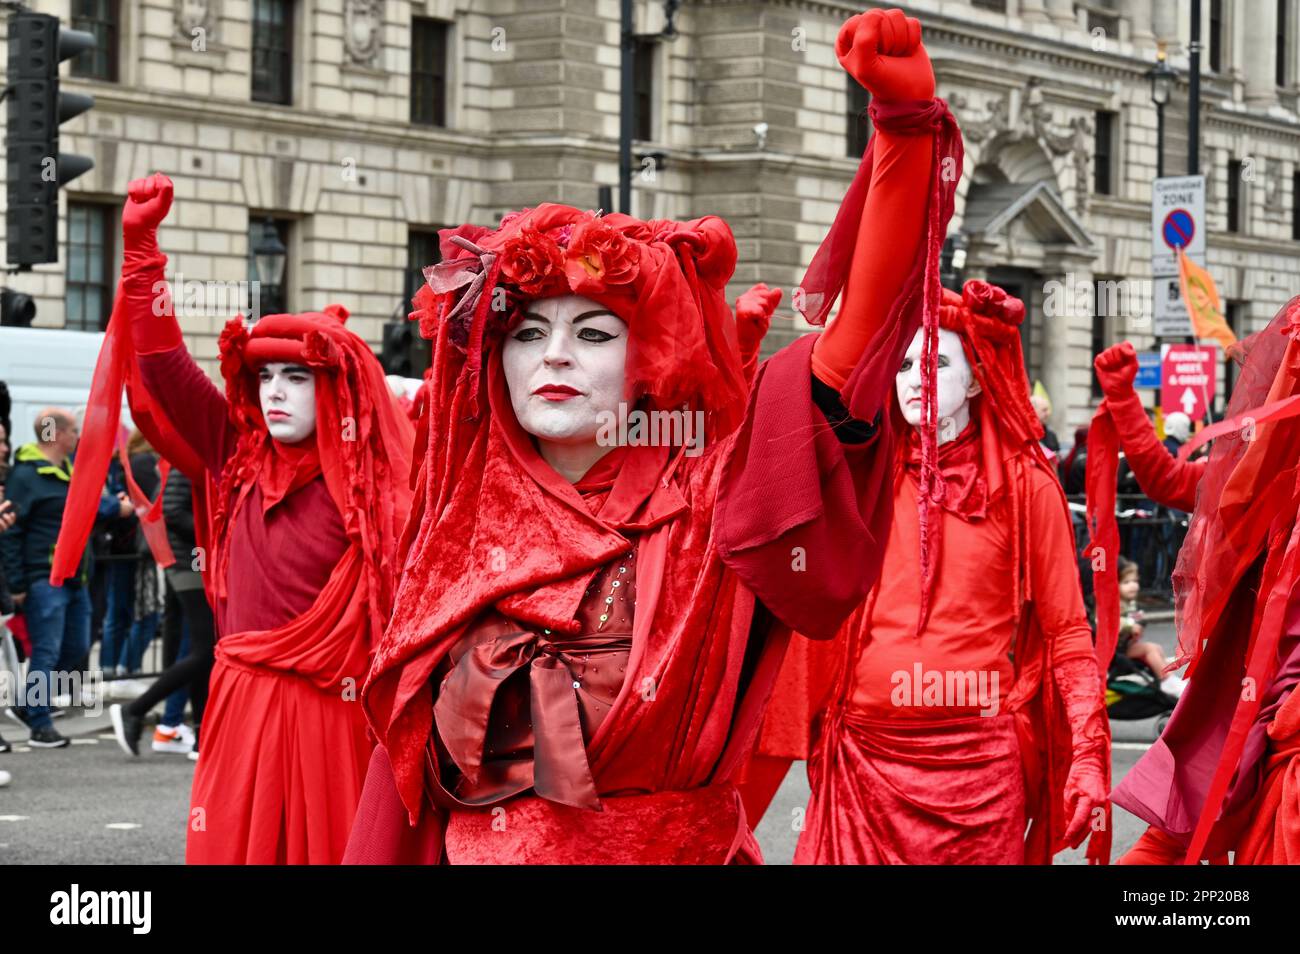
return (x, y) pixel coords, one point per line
(1034, 10)
(1164, 19)
(1062, 11)
(1261, 55)
(1141, 21)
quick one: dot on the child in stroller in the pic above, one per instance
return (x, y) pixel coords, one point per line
(1135, 688)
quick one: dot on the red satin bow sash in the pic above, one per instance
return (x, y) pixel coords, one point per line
(559, 769)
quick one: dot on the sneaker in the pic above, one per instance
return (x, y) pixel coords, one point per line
(17, 716)
(5, 778)
(127, 728)
(47, 737)
(194, 755)
(5, 746)
(167, 738)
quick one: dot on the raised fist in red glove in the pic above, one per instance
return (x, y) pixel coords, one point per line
(1117, 369)
(882, 50)
(147, 203)
(757, 305)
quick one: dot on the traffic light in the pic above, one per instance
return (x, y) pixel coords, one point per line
(17, 310)
(35, 169)
(404, 351)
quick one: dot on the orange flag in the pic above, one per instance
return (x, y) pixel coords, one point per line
(1202, 300)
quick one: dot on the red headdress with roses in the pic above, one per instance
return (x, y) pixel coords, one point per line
(362, 446)
(666, 279)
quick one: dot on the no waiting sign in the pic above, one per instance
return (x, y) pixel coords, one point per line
(1177, 221)
(1187, 379)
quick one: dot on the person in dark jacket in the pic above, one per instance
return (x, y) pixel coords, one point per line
(186, 579)
(131, 616)
(58, 618)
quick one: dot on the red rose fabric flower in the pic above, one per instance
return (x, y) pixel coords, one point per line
(600, 256)
(318, 350)
(533, 263)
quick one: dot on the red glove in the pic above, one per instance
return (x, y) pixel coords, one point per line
(754, 311)
(882, 50)
(148, 202)
(1085, 787)
(1117, 369)
(154, 327)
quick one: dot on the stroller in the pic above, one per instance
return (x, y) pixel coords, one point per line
(1133, 692)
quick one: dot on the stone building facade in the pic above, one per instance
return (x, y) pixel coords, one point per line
(749, 117)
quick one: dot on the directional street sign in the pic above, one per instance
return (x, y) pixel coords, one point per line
(1187, 380)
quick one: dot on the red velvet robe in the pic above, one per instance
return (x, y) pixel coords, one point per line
(662, 760)
(283, 747)
(931, 785)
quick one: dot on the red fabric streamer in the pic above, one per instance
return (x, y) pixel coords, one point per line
(867, 389)
(149, 512)
(117, 370)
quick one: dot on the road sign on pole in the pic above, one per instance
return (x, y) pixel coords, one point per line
(1169, 311)
(1177, 221)
(1188, 380)
(1149, 370)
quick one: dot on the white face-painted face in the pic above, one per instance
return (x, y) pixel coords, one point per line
(955, 384)
(564, 366)
(288, 396)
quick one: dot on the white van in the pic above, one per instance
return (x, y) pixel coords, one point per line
(46, 367)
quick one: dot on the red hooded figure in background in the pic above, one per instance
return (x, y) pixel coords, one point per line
(303, 466)
(958, 719)
(588, 622)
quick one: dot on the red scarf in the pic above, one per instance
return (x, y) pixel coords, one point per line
(963, 491)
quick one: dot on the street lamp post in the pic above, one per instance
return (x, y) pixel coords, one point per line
(1162, 81)
(269, 256)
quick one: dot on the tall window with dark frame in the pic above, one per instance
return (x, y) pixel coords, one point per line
(101, 19)
(1295, 206)
(1216, 36)
(1102, 323)
(1232, 313)
(1283, 43)
(1234, 195)
(273, 51)
(89, 279)
(643, 88)
(857, 122)
(1103, 152)
(421, 251)
(429, 43)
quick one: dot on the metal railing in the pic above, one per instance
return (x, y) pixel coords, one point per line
(1150, 535)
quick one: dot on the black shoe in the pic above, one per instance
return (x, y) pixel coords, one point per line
(127, 728)
(47, 738)
(5, 746)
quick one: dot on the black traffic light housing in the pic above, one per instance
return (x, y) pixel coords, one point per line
(35, 169)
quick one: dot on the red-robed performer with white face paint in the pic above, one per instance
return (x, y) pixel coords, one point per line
(302, 467)
(585, 634)
(958, 718)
